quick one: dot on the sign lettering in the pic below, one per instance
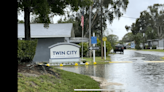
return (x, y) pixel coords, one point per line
(63, 52)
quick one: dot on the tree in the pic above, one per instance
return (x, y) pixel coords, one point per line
(36, 19)
(112, 39)
(150, 22)
(150, 33)
(128, 37)
(111, 9)
(45, 7)
(155, 17)
(75, 25)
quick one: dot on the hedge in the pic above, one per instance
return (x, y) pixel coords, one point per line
(26, 50)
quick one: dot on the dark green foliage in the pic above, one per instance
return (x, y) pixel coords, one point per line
(44, 8)
(85, 49)
(137, 47)
(112, 39)
(97, 52)
(153, 47)
(128, 37)
(108, 48)
(150, 22)
(26, 50)
(112, 10)
(20, 21)
(147, 47)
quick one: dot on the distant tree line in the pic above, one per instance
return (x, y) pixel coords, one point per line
(150, 25)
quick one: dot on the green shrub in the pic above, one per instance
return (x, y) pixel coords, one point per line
(138, 47)
(26, 50)
(85, 48)
(97, 52)
(108, 47)
(153, 47)
(146, 46)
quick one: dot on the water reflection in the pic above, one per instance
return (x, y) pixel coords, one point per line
(152, 73)
(93, 70)
(135, 77)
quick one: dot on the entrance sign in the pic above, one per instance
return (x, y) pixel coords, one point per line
(64, 53)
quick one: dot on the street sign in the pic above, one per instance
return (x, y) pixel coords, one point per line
(94, 40)
(104, 39)
(94, 48)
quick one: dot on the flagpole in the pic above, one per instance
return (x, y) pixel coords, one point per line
(82, 43)
(82, 24)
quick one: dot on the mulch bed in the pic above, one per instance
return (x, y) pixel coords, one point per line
(35, 69)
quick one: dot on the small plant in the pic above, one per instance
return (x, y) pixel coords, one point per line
(153, 47)
(146, 46)
(138, 47)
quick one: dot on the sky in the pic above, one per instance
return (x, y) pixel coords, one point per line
(118, 26)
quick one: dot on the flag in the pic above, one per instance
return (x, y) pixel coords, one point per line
(82, 19)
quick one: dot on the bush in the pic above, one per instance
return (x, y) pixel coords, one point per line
(137, 47)
(26, 50)
(108, 47)
(97, 52)
(153, 47)
(85, 49)
(147, 47)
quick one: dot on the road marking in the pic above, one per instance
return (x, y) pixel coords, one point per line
(120, 62)
(154, 61)
(162, 57)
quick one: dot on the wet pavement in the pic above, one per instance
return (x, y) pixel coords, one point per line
(138, 76)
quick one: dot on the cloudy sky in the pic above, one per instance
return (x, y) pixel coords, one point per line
(118, 26)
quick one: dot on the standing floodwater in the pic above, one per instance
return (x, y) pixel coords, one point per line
(137, 76)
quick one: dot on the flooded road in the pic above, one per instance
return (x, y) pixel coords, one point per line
(138, 76)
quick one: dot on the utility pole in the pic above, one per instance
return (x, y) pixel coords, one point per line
(101, 34)
(90, 29)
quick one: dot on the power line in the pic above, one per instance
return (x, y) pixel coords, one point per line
(129, 17)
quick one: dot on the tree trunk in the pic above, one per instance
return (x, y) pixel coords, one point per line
(27, 23)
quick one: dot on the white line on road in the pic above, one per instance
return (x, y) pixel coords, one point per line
(120, 62)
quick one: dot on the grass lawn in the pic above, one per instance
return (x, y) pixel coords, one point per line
(98, 60)
(66, 82)
(157, 50)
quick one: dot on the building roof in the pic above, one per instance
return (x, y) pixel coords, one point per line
(153, 40)
(54, 30)
(78, 39)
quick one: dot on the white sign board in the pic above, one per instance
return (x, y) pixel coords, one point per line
(64, 52)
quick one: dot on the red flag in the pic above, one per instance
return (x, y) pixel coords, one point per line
(82, 21)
